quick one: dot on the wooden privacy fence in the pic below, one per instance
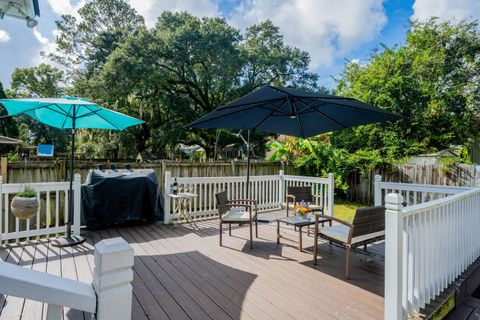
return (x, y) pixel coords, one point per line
(362, 188)
(50, 171)
(268, 190)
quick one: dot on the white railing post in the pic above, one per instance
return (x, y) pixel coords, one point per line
(111, 279)
(393, 256)
(166, 199)
(281, 191)
(77, 198)
(331, 189)
(377, 190)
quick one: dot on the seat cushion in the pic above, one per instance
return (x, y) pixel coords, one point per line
(236, 214)
(339, 232)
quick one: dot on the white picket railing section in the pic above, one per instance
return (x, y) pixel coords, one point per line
(51, 216)
(269, 191)
(427, 247)
(108, 297)
(413, 193)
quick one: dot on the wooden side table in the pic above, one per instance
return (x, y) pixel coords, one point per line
(182, 204)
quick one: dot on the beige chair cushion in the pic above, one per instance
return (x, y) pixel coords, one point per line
(340, 232)
(237, 214)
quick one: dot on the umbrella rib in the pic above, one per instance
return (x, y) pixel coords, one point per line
(380, 111)
(66, 117)
(96, 112)
(270, 114)
(200, 121)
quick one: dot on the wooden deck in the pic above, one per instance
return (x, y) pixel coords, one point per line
(182, 273)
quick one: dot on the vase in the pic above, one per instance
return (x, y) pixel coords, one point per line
(24, 208)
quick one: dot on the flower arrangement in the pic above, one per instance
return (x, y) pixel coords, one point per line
(301, 209)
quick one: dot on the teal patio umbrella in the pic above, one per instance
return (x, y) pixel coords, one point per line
(69, 113)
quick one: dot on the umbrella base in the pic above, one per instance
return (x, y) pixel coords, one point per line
(68, 241)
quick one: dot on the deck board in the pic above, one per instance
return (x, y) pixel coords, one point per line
(182, 273)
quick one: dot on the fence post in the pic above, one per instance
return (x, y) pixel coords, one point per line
(111, 279)
(331, 189)
(377, 190)
(281, 191)
(77, 198)
(166, 199)
(393, 256)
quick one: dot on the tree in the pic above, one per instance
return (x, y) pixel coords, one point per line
(89, 40)
(8, 125)
(186, 67)
(432, 79)
(43, 81)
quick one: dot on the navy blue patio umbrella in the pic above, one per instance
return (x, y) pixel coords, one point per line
(292, 112)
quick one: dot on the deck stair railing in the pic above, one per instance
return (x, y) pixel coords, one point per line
(428, 244)
(108, 297)
(51, 216)
(269, 191)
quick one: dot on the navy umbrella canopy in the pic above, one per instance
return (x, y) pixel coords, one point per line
(293, 112)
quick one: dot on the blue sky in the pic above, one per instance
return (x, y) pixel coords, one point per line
(333, 32)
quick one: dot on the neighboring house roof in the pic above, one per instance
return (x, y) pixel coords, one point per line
(189, 149)
(8, 140)
(439, 154)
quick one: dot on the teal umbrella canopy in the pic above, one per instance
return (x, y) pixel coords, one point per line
(69, 113)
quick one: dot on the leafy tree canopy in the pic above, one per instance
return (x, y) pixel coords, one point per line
(188, 66)
(432, 79)
(43, 81)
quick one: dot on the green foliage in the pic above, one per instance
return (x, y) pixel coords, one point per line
(8, 125)
(12, 156)
(28, 192)
(42, 81)
(187, 66)
(432, 79)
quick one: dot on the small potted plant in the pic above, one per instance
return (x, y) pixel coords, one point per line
(25, 203)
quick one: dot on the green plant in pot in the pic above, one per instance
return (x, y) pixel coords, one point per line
(25, 203)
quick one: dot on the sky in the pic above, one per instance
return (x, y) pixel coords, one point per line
(332, 32)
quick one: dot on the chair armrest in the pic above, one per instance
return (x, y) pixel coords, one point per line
(345, 223)
(318, 210)
(290, 197)
(348, 224)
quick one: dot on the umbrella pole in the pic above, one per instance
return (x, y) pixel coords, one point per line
(248, 163)
(68, 240)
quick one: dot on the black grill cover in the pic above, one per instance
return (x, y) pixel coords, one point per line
(115, 197)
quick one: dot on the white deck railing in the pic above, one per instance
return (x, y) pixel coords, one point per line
(413, 193)
(269, 191)
(51, 216)
(427, 247)
(108, 297)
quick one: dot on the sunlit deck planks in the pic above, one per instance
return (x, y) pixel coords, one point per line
(182, 273)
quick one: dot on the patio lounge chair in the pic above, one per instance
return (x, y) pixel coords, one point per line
(298, 194)
(368, 226)
(240, 211)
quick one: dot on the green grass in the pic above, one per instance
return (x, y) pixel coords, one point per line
(345, 210)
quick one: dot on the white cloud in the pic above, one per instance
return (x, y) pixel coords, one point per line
(446, 9)
(66, 6)
(46, 46)
(151, 9)
(4, 36)
(324, 28)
